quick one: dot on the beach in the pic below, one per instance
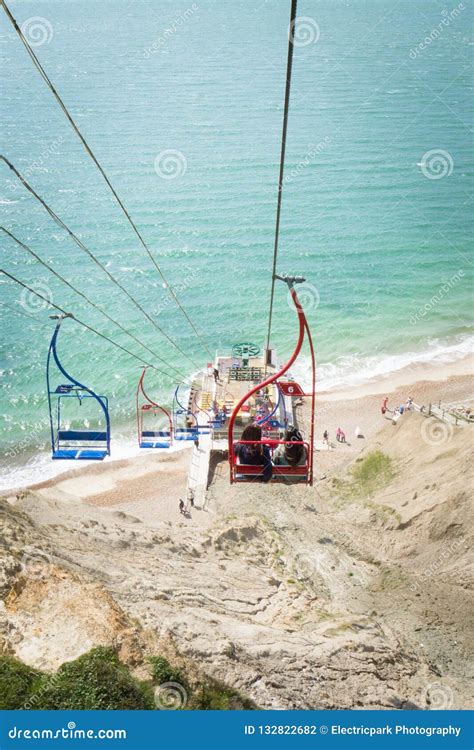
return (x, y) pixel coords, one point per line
(263, 587)
(163, 475)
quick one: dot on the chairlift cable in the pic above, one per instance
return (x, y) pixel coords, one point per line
(91, 255)
(291, 33)
(23, 314)
(86, 298)
(85, 325)
(89, 151)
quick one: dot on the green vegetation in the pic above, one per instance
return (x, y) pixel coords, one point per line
(96, 680)
(374, 471)
(16, 680)
(99, 680)
(370, 473)
(213, 695)
(162, 671)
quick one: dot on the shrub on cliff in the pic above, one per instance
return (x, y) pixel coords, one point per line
(16, 681)
(96, 680)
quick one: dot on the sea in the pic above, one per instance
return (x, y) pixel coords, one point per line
(182, 104)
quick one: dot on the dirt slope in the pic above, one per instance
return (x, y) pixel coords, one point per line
(333, 596)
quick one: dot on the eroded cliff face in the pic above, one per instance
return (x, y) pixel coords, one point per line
(336, 596)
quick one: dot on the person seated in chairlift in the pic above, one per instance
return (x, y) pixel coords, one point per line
(292, 453)
(254, 455)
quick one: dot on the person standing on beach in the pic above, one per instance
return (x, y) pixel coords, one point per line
(384, 406)
(326, 438)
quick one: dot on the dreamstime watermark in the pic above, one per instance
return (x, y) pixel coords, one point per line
(436, 164)
(33, 303)
(446, 20)
(167, 299)
(445, 287)
(45, 687)
(170, 164)
(170, 31)
(38, 163)
(303, 31)
(35, 564)
(70, 732)
(170, 696)
(436, 566)
(31, 436)
(435, 432)
(308, 297)
(437, 697)
(37, 31)
(313, 151)
(327, 558)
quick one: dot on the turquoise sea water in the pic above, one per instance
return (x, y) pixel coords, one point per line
(376, 205)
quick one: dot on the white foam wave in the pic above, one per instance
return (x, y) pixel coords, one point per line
(353, 370)
(39, 467)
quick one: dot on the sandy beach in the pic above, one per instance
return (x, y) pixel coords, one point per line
(296, 596)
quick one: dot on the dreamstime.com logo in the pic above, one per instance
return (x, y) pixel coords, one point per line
(437, 697)
(442, 291)
(169, 32)
(436, 164)
(434, 432)
(303, 31)
(436, 567)
(170, 164)
(33, 303)
(35, 564)
(71, 732)
(37, 31)
(170, 696)
(308, 297)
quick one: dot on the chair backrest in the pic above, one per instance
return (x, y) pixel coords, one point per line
(242, 472)
(87, 436)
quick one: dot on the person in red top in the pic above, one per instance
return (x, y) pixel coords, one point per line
(384, 406)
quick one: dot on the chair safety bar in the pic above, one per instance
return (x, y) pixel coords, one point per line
(279, 471)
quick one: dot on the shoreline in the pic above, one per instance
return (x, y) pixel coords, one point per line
(351, 408)
(409, 376)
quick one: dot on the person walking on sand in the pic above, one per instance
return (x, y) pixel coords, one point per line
(326, 438)
(196, 443)
(384, 406)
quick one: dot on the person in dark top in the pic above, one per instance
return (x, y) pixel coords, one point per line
(254, 455)
(293, 453)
